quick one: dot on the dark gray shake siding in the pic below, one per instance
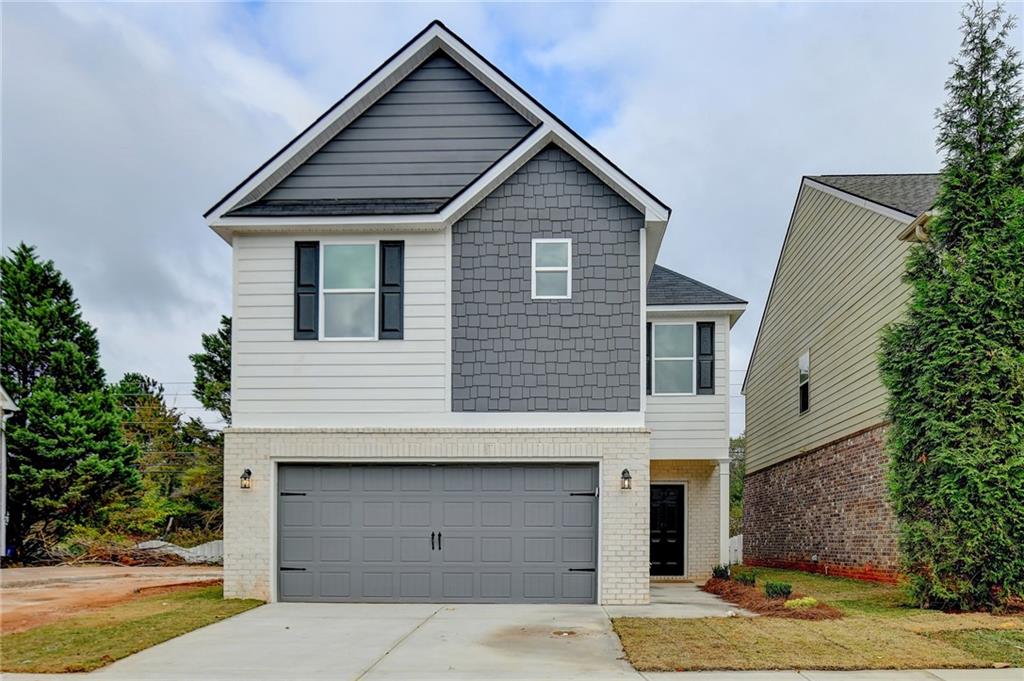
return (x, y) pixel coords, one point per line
(514, 354)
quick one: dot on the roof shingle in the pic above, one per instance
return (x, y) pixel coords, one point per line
(911, 194)
(666, 287)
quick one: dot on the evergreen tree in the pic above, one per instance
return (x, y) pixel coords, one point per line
(66, 454)
(954, 367)
(213, 370)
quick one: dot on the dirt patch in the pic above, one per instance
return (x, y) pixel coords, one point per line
(752, 598)
(35, 596)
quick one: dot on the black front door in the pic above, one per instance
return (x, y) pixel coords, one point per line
(668, 530)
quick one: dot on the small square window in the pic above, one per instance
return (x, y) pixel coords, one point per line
(551, 267)
(349, 291)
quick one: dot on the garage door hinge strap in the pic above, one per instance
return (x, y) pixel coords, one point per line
(582, 570)
(292, 569)
(293, 494)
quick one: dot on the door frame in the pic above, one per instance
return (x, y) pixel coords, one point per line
(685, 484)
(277, 461)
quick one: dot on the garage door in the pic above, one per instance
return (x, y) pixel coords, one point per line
(445, 533)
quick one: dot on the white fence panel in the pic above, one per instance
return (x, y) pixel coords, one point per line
(736, 549)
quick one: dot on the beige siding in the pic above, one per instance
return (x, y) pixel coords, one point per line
(693, 426)
(278, 381)
(838, 283)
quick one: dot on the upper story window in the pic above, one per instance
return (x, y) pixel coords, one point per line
(349, 291)
(805, 381)
(673, 358)
(552, 269)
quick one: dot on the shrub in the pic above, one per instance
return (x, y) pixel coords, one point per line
(720, 572)
(799, 603)
(747, 578)
(777, 589)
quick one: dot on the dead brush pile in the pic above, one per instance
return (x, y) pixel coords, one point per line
(752, 598)
(100, 552)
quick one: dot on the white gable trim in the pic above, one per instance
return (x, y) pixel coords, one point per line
(435, 36)
(888, 212)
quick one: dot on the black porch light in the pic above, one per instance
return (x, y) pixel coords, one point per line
(246, 479)
(627, 479)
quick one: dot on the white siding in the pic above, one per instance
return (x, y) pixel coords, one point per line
(281, 382)
(693, 426)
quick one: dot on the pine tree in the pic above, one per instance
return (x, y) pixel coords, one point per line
(954, 367)
(212, 385)
(66, 454)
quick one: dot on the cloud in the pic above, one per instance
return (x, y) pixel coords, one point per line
(123, 123)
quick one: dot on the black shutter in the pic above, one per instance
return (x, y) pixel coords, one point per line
(392, 278)
(705, 358)
(649, 351)
(307, 295)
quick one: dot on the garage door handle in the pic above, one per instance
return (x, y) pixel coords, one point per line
(291, 569)
(431, 541)
(438, 541)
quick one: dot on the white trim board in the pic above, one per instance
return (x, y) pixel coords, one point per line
(435, 37)
(888, 212)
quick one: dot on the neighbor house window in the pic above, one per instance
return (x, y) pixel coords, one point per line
(551, 268)
(349, 290)
(805, 382)
(673, 359)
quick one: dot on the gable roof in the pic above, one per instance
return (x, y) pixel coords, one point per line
(666, 287)
(435, 38)
(911, 194)
(422, 142)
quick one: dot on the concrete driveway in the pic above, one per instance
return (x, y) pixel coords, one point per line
(376, 642)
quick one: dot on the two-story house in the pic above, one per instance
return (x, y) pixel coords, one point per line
(457, 373)
(814, 495)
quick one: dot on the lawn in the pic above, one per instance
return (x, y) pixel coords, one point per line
(92, 640)
(878, 631)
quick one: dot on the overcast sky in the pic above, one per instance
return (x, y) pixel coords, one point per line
(122, 124)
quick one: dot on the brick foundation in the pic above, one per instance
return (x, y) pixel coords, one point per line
(824, 511)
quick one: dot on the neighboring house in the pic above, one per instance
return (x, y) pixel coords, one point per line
(457, 374)
(814, 494)
(7, 407)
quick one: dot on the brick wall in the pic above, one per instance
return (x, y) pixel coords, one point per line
(824, 511)
(513, 353)
(625, 514)
(702, 510)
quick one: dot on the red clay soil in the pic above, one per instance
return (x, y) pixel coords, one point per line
(752, 598)
(31, 597)
(867, 572)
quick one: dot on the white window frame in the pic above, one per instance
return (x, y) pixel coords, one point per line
(802, 383)
(655, 358)
(534, 269)
(375, 291)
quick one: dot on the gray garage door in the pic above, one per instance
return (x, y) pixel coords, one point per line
(445, 533)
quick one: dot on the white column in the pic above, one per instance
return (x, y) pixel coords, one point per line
(723, 512)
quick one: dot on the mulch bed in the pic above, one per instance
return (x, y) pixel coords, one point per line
(752, 598)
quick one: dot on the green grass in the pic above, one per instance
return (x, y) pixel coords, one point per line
(879, 630)
(92, 640)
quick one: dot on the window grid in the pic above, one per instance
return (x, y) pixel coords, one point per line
(375, 291)
(535, 269)
(655, 357)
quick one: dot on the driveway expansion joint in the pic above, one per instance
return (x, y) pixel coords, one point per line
(397, 643)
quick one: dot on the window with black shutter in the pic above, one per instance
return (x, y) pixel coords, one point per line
(392, 279)
(705, 358)
(307, 295)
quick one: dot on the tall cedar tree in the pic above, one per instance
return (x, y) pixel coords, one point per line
(954, 367)
(212, 385)
(66, 454)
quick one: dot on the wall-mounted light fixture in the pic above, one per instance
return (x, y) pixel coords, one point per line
(246, 479)
(627, 479)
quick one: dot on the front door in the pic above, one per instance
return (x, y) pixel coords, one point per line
(668, 530)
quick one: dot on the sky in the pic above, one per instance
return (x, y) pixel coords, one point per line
(123, 123)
